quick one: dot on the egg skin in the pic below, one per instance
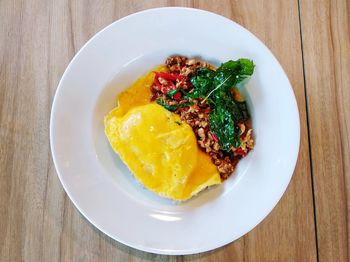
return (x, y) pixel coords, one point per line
(139, 93)
(157, 146)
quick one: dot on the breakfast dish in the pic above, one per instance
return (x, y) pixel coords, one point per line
(100, 185)
(208, 100)
(160, 150)
(183, 126)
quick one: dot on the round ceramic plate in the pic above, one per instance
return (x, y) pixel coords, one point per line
(101, 186)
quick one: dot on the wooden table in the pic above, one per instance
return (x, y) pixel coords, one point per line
(310, 38)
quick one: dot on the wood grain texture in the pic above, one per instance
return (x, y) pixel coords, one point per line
(38, 222)
(288, 233)
(326, 42)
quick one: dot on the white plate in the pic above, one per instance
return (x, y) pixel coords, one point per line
(100, 185)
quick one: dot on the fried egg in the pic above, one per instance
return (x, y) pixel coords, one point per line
(157, 146)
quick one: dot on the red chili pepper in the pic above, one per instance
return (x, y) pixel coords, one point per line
(168, 76)
(177, 96)
(153, 97)
(183, 109)
(164, 90)
(206, 110)
(214, 136)
(239, 151)
(172, 86)
(159, 86)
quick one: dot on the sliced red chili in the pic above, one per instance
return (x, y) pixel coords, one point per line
(244, 133)
(177, 96)
(214, 136)
(171, 86)
(183, 109)
(206, 110)
(239, 151)
(154, 96)
(168, 76)
(159, 86)
(164, 89)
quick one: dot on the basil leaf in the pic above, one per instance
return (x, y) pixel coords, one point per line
(231, 73)
(226, 112)
(215, 88)
(172, 92)
(172, 108)
(244, 109)
(202, 82)
(222, 124)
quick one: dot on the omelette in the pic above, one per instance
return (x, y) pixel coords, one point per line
(157, 146)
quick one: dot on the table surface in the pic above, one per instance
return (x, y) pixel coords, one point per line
(310, 38)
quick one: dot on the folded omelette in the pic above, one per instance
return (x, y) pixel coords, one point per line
(157, 146)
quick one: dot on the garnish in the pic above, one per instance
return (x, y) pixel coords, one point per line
(215, 89)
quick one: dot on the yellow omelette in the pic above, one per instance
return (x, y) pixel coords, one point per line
(157, 146)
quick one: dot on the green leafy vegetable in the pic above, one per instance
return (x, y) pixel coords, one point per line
(231, 73)
(244, 109)
(214, 87)
(172, 108)
(226, 112)
(202, 83)
(223, 119)
(171, 93)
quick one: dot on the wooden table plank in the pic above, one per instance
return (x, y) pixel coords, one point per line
(288, 233)
(326, 42)
(37, 220)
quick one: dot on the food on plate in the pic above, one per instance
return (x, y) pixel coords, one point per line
(183, 126)
(209, 101)
(161, 151)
